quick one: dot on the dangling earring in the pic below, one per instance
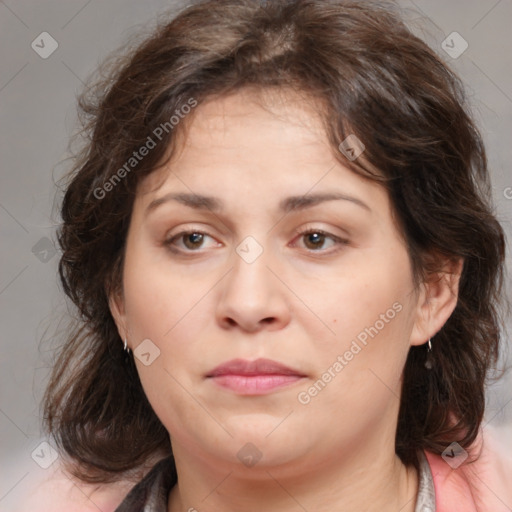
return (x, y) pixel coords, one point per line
(126, 347)
(429, 363)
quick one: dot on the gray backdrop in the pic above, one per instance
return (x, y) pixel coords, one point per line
(38, 86)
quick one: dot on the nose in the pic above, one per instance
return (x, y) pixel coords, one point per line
(252, 297)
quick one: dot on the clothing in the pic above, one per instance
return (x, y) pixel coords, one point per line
(151, 493)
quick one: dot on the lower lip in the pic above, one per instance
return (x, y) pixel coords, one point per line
(255, 384)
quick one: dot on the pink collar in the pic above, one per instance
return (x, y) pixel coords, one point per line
(452, 488)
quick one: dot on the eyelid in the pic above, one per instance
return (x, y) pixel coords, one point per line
(310, 228)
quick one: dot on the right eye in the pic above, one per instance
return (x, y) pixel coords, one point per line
(191, 240)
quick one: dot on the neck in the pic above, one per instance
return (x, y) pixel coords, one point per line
(367, 478)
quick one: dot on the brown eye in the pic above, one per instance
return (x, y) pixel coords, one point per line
(187, 241)
(193, 240)
(315, 239)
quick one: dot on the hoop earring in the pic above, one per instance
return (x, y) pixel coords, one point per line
(126, 347)
(429, 363)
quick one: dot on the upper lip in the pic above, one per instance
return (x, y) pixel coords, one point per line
(256, 367)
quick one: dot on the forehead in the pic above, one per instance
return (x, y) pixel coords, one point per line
(251, 129)
(291, 113)
(255, 144)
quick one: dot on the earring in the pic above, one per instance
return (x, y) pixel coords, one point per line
(126, 347)
(429, 363)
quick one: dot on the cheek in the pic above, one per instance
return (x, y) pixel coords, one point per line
(158, 310)
(358, 382)
(156, 298)
(370, 293)
(169, 309)
(369, 314)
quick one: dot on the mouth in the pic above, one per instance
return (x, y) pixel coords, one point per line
(256, 377)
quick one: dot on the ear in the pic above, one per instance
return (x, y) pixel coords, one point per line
(117, 309)
(436, 301)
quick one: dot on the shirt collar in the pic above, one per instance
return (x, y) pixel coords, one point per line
(151, 494)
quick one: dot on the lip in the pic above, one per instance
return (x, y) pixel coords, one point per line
(256, 377)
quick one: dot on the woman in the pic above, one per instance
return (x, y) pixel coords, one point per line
(280, 243)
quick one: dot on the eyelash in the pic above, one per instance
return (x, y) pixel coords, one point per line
(340, 242)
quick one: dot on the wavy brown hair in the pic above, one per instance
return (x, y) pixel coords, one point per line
(374, 79)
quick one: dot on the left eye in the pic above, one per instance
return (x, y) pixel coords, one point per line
(315, 239)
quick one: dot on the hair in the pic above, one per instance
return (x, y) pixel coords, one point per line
(375, 80)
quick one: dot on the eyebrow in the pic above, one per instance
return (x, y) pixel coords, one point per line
(289, 204)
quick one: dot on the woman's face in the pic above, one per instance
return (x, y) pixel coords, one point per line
(269, 268)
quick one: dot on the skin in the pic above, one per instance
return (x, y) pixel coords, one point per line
(301, 302)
